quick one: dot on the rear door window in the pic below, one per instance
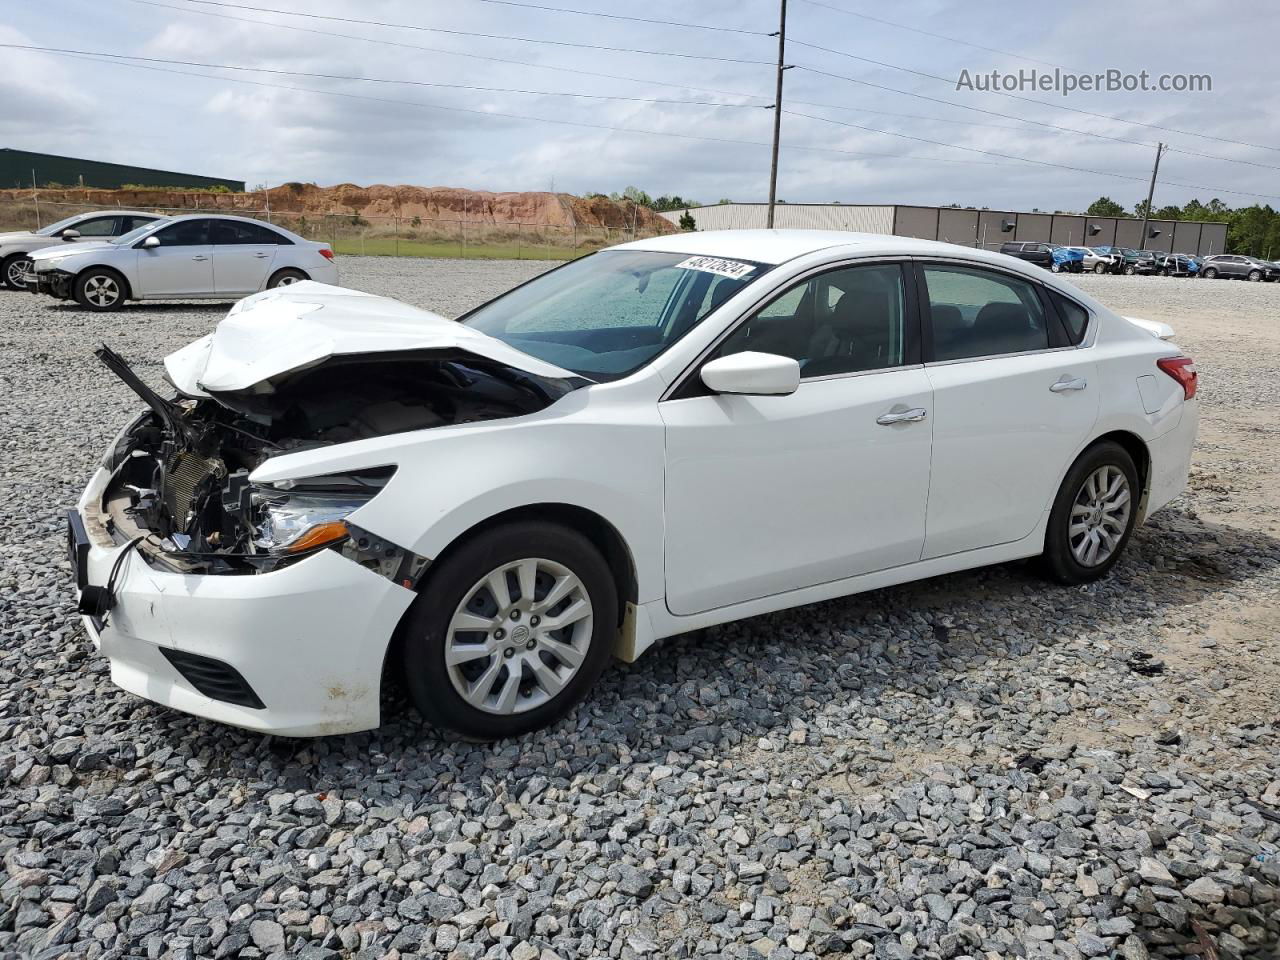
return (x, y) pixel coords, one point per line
(981, 313)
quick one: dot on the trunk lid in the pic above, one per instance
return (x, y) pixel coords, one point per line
(291, 328)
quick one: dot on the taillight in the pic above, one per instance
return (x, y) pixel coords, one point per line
(1182, 369)
(326, 253)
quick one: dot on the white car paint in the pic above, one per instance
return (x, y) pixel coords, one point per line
(728, 505)
(203, 270)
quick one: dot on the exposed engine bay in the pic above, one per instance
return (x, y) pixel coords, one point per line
(180, 472)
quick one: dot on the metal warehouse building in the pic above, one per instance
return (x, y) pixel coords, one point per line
(966, 226)
(18, 168)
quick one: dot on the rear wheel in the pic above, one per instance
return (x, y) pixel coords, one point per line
(1093, 515)
(14, 269)
(286, 277)
(100, 289)
(510, 631)
(1130, 270)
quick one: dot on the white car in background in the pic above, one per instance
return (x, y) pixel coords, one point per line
(194, 257)
(16, 248)
(664, 435)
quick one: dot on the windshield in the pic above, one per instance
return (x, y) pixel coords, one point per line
(53, 228)
(608, 314)
(137, 233)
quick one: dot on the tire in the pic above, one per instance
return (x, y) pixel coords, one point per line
(100, 289)
(1255, 275)
(1130, 270)
(1210, 274)
(1099, 268)
(11, 270)
(1055, 268)
(285, 277)
(1066, 555)
(458, 587)
(1166, 272)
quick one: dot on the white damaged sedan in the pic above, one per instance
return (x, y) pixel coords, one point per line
(662, 436)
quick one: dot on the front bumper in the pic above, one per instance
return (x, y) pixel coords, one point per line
(57, 283)
(308, 640)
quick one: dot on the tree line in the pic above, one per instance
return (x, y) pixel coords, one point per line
(1254, 230)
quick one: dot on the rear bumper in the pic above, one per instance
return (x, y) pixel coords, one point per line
(307, 641)
(1171, 458)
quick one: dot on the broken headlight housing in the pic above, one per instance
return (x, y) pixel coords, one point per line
(297, 516)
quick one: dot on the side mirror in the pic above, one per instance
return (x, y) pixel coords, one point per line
(70, 234)
(754, 374)
(150, 243)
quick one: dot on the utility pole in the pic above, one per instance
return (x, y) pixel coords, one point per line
(777, 110)
(1151, 192)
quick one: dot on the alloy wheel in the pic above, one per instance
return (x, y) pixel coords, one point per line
(17, 272)
(101, 291)
(287, 280)
(519, 636)
(1099, 516)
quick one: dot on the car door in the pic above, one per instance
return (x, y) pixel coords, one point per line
(1013, 400)
(182, 265)
(242, 256)
(767, 494)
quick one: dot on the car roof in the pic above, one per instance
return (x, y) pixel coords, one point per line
(123, 213)
(779, 246)
(220, 216)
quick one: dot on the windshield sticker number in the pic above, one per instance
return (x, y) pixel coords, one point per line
(724, 268)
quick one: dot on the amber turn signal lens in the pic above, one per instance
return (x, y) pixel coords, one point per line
(318, 536)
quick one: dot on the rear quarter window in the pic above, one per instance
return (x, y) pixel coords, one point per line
(1074, 316)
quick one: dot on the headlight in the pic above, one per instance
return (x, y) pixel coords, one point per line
(300, 515)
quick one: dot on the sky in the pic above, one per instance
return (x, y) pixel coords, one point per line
(711, 144)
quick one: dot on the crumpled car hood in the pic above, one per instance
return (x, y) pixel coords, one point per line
(291, 328)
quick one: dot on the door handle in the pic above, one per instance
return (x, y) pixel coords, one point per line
(1067, 384)
(914, 415)
(200, 256)
(262, 256)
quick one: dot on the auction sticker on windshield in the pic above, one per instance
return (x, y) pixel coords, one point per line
(725, 268)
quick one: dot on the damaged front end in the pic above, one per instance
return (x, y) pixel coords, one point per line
(180, 473)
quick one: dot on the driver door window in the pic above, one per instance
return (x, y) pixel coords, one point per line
(844, 321)
(97, 227)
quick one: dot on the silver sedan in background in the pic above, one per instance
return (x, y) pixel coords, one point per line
(16, 248)
(194, 257)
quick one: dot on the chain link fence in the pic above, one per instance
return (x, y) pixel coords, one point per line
(358, 235)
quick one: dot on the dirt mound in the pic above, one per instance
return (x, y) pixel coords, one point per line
(380, 202)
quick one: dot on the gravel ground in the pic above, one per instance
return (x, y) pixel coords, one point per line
(980, 765)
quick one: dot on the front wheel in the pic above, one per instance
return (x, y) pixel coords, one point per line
(1130, 270)
(1055, 268)
(1255, 275)
(1093, 515)
(100, 289)
(1210, 273)
(13, 271)
(510, 631)
(1099, 268)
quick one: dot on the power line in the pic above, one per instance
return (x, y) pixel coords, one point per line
(523, 117)
(1043, 163)
(1042, 103)
(339, 76)
(1038, 123)
(440, 50)
(620, 16)
(926, 33)
(473, 33)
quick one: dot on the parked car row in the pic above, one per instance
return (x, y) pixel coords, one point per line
(1126, 260)
(103, 259)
